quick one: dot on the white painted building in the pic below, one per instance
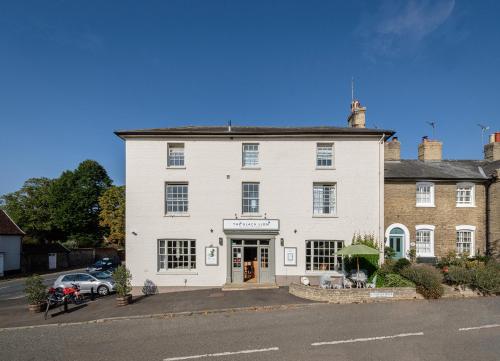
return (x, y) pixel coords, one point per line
(208, 206)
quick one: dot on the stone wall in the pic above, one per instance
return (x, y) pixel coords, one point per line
(353, 295)
(400, 207)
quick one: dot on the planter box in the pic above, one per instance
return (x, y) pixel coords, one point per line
(123, 301)
(38, 307)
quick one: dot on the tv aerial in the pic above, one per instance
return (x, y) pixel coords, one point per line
(433, 125)
(484, 128)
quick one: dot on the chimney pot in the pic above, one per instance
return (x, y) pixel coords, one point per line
(492, 149)
(357, 118)
(392, 149)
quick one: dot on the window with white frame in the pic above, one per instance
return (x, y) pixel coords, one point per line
(324, 155)
(465, 195)
(250, 197)
(175, 155)
(325, 199)
(425, 194)
(424, 241)
(176, 195)
(465, 240)
(322, 255)
(250, 156)
(176, 254)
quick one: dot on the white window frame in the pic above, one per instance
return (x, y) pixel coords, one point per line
(243, 153)
(176, 213)
(432, 188)
(467, 228)
(332, 159)
(337, 260)
(333, 200)
(243, 198)
(162, 251)
(472, 202)
(425, 227)
(171, 146)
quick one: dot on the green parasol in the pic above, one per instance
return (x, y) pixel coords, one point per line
(357, 250)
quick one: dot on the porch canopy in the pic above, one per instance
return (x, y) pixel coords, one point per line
(356, 250)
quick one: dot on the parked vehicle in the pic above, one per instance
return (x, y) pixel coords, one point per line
(87, 283)
(103, 265)
(62, 296)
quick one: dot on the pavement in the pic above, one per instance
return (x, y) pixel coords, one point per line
(13, 312)
(446, 329)
(12, 289)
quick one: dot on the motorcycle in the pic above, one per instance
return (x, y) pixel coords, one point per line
(62, 296)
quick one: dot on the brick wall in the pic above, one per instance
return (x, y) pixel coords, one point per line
(400, 200)
(494, 217)
(353, 295)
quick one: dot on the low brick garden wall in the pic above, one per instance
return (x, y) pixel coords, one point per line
(353, 295)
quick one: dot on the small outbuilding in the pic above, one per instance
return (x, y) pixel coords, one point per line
(10, 245)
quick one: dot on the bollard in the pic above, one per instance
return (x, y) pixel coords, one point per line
(92, 294)
(65, 304)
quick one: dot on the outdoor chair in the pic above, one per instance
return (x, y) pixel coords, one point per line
(373, 283)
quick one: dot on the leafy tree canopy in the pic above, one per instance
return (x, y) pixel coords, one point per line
(112, 216)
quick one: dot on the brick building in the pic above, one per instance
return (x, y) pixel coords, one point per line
(438, 206)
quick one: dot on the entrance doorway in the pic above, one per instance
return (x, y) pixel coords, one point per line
(396, 242)
(251, 261)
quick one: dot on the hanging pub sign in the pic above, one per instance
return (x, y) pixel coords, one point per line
(256, 225)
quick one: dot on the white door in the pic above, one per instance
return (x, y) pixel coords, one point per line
(1, 264)
(52, 260)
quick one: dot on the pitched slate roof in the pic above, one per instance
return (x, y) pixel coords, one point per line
(8, 227)
(440, 170)
(251, 131)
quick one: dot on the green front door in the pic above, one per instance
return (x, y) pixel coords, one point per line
(396, 243)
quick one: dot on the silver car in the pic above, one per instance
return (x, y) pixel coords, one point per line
(97, 282)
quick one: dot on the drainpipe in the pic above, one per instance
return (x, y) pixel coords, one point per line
(380, 208)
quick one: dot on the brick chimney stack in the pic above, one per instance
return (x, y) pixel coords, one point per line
(392, 149)
(430, 150)
(357, 118)
(492, 149)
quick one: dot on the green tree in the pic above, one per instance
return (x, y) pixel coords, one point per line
(31, 208)
(76, 194)
(112, 215)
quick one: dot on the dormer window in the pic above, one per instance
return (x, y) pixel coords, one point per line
(425, 194)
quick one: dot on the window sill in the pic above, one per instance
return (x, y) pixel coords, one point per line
(425, 205)
(177, 273)
(325, 216)
(250, 168)
(172, 215)
(176, 167)
(466, 206)
(325, 168)
(251, 215)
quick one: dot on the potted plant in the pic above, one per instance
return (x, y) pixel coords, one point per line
(122, 278)
(36, 293)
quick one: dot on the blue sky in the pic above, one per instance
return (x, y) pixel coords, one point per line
(72, 72)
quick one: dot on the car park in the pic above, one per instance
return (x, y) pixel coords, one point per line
(89, 283)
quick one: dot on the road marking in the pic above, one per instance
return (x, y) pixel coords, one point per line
(16, 297)
(478, 327)
(367, 339)
(222, 354)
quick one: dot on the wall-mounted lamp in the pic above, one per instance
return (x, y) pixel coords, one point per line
(294, 231)
(134, 233)
(221, 241)
(211, 230)
(282, 242)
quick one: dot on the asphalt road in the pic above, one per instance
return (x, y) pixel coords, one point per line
(464, 329)
(14, 289)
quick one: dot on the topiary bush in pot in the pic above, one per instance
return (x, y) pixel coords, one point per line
(426, 278)
(122, 277)
(36, 293)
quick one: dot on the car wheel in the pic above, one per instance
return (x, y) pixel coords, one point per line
(103, 290)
